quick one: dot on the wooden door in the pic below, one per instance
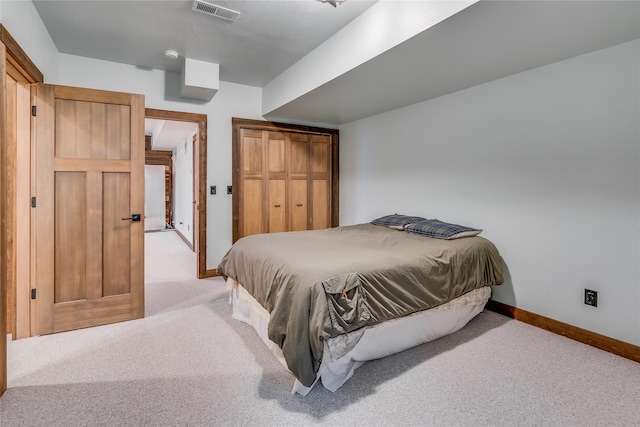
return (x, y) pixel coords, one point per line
(276, 146)
(277, 212)
(285, 177)
(89, 185)
(298, 182)
(320, 177)
(250, 187)
(299, 217)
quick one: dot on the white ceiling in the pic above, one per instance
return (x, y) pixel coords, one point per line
(486, 41)
(268, 37)
(168, 134)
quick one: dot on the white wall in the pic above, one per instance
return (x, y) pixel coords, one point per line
(183, 189)
(154, 197)
(161, 91)
(546, 162)
(22, 21)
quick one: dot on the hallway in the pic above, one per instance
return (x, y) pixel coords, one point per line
(167, 258)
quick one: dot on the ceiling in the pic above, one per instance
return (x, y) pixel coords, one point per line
(486, 41)
(268, 37)
(166, 135)
(252, 51)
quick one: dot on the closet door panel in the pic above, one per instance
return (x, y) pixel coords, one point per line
(299, 159)
(251, 164)
(320, 179)
(252, 196)
(277, 206)
(251, 173)
(320, 155)
(298, 205)
(320, 201)
(276, 143)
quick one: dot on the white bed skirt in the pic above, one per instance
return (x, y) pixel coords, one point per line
(375, 342)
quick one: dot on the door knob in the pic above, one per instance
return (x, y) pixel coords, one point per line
(133, 218)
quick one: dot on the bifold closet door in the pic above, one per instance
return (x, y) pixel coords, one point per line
(284, 178)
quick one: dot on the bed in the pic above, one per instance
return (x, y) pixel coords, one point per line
(326, 301)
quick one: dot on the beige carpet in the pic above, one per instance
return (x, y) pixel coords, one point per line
(167, 258)
(189, 364)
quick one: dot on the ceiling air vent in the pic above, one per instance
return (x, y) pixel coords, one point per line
(214, 10)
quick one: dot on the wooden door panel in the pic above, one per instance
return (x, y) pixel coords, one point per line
(252, 222)
(89, 257)
(77, 314)
(91, 130)
(276, 155)
(320, 201)
(277, 205)
(117, 234)
(251, 154)
(320, 155)
(118, 123)
(71, 133)
(70, 251)
(250, 185)
(299, 162)
(298, 202)
(94, 238)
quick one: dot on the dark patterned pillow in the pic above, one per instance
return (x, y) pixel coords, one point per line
(441, 230)
(396, 221)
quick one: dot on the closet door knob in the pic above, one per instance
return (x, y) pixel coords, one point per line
(299, 204)
(276, 206)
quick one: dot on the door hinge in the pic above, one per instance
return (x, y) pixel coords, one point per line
(33, 202)
(33, 110)
(33, 294)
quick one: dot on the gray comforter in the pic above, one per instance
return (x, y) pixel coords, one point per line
(322, 283)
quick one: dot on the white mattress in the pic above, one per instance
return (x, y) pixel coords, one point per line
(343, 354)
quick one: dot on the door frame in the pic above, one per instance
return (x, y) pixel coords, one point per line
(199, 182)
(194, 196)
(15, 62)
(3, 237)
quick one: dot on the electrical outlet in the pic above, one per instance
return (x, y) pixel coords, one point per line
(591, 297)
(228, 189)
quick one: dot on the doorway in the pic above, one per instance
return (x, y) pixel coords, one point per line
(194, 151)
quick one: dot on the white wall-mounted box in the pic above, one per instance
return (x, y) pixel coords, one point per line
(199, 79)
